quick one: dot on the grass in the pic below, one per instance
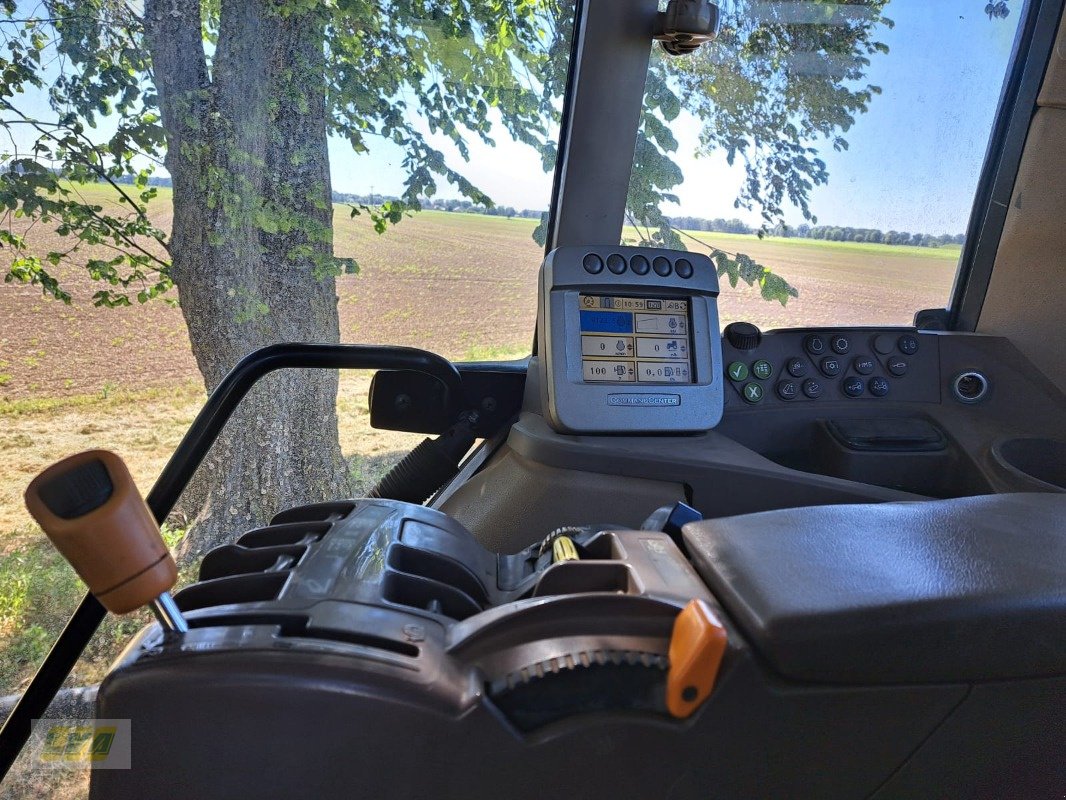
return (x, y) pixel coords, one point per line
(483, 352)
(110, 397)
(38, 589)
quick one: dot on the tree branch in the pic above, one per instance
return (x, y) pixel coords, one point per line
(101, 173)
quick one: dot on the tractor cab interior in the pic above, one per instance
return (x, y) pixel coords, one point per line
(671, 553)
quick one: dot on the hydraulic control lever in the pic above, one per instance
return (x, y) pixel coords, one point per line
(157, 575)
(90, 508)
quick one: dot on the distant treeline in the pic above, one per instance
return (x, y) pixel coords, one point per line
(831, 233)
(461, 206)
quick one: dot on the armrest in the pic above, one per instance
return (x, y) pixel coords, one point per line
(953, 590)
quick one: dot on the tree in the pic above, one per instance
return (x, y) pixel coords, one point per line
(237, 98)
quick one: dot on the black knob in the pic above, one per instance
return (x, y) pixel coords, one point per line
(743, 335)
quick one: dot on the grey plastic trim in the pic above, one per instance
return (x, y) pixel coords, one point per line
(1032, 50)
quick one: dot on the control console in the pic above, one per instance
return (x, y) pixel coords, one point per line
(823, 365)
(629, 340)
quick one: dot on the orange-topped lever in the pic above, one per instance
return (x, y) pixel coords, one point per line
(90, 508)
(697, 646)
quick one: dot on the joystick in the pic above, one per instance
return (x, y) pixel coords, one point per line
(90, 508)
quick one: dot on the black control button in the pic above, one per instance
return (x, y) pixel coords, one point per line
(593, 264)
(830, 366)
(787, 390)
(742, 335)
(796, 367)
(616, 263)
(897, 366)
(812, 388)
(662, 266)
(815, 345)
(853, 387)
(878, 386)
(907, 344)
(884, 344)
(864, 365)
(683, 268)
(639, 264)
(840, 344)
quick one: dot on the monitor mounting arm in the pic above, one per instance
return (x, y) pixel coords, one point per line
(687, 24)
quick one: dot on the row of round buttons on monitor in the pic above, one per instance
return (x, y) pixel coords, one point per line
(841, 344)
(639, 264)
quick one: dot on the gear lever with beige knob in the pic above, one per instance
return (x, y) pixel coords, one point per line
(90, 508)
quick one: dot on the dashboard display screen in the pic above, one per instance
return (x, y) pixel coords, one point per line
(635, 339)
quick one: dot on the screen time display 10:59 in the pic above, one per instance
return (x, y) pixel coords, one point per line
(635, 339)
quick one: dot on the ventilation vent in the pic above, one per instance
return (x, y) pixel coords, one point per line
(255, 569)
(436, 567)
(293, 533)
(319, 512)
(234, 559)
(430, 595)
(258, 588)
(296, 626)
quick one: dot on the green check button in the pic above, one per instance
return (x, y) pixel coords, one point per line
(753, 392)
(738, 371)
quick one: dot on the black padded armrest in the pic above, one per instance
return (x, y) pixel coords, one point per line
(951, 590)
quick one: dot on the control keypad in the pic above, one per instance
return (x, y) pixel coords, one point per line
(860, 365)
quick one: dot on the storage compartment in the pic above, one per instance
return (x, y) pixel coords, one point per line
(911, 454)
(1036, 459)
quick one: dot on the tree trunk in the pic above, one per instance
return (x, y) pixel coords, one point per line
(251, 246)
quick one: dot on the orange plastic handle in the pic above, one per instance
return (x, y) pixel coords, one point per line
(697, 646)
(115, 545)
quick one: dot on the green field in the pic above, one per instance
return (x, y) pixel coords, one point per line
(460, 284)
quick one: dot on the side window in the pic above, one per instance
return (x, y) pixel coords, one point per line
(184, 183)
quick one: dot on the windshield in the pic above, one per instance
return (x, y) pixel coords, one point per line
(826, 155)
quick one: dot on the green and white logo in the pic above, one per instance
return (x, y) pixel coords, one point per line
(81, 743)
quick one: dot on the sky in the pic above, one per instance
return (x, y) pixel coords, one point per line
(913, 161)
